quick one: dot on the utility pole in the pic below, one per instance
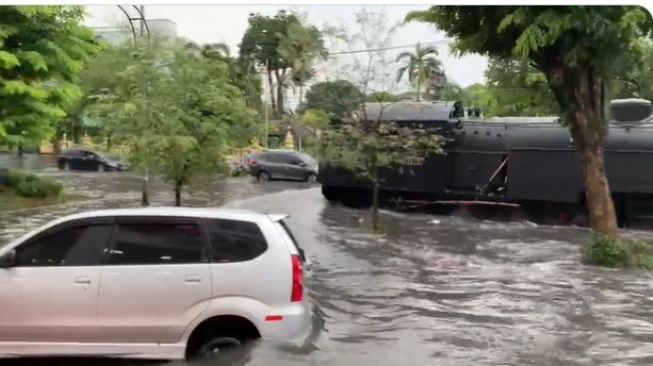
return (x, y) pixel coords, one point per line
(265, 105)
(142, 23)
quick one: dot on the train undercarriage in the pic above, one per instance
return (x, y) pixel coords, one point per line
(633, 211)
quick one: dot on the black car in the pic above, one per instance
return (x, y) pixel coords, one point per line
(283, 164)
(79, 159)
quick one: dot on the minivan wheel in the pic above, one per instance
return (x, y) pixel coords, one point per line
(312, 178)
(66, 166)
(263, 176)
(101, 168)
(216, 345)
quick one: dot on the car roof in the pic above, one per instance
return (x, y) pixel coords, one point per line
(171, 212)
(197, 212)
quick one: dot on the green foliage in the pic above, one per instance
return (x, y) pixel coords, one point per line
(339, 99)
(379, 97)
(302, 46)
(176, 111)
(278, 43)
(316, 118)
(543, 34)
(261, 41)
(608, 252)
(30, 185)
(634, 73)
(516, 88)
(365, 146)
(421, 66)
(242, 74)
(42, 49)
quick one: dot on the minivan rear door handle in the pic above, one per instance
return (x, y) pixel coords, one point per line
(193, 279)
(82, 280)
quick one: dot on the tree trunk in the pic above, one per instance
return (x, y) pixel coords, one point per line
(177, 193)
(279, 91)
(56, 143)
(301, 95)
(19, 150)
(419, 86)
(109, 142)
(375, 206)
(271, 85)
(145, 196)
(603, 217)
(580, 94)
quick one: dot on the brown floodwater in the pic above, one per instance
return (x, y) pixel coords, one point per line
(434, 290)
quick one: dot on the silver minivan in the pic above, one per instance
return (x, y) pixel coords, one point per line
(155, 283)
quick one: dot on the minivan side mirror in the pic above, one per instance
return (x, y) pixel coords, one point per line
(9, 259)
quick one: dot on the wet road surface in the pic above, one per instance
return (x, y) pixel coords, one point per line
(433, 291)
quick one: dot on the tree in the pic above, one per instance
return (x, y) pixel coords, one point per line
(95, 80)
(316, 118)
(177, 113)
(369, 143)
(339, 99)
(421, 65)
(366, 141)
(518, 89)
(574, 47)
(242, 74)
(635, 73)
(382, 97)
(42, 49)
(302, 46)
(260, 46)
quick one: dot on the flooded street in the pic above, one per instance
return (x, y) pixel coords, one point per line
(433, 291)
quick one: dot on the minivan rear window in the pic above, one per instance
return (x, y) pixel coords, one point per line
(234, 240)
(285, 227)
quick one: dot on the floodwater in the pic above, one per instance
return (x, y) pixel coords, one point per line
(433, 291)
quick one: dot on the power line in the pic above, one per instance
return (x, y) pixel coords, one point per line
(388, 48)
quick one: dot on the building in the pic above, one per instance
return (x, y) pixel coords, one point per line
(119, 35)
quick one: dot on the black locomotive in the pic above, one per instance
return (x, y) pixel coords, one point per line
(530, 163)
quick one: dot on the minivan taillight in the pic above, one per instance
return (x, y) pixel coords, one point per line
(253, 162)
(297, 279)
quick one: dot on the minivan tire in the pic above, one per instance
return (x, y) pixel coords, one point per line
(311, 178)
(66, 166)
(101, 168)
(217, 343)
(263, 176)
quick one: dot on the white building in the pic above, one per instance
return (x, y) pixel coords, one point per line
(118, 35)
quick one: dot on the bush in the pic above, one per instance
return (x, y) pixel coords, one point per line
(609, 252)
(30, 185)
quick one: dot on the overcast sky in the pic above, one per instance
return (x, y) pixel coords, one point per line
(227, 23)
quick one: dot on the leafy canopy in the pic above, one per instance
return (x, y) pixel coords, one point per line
(263, 37)
(42, 49)
(337, 98)
(176, 110)
(568, 34)
(302, 46)
(365, 146)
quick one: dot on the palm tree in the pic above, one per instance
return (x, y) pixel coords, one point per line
(421, 65)
(302, 47)
(216, 50)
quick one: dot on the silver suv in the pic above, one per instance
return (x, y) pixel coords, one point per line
(155, 283)
(283, 164)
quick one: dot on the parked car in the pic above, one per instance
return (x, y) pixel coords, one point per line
(283, 164)
(80, 159)
(154, 283)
